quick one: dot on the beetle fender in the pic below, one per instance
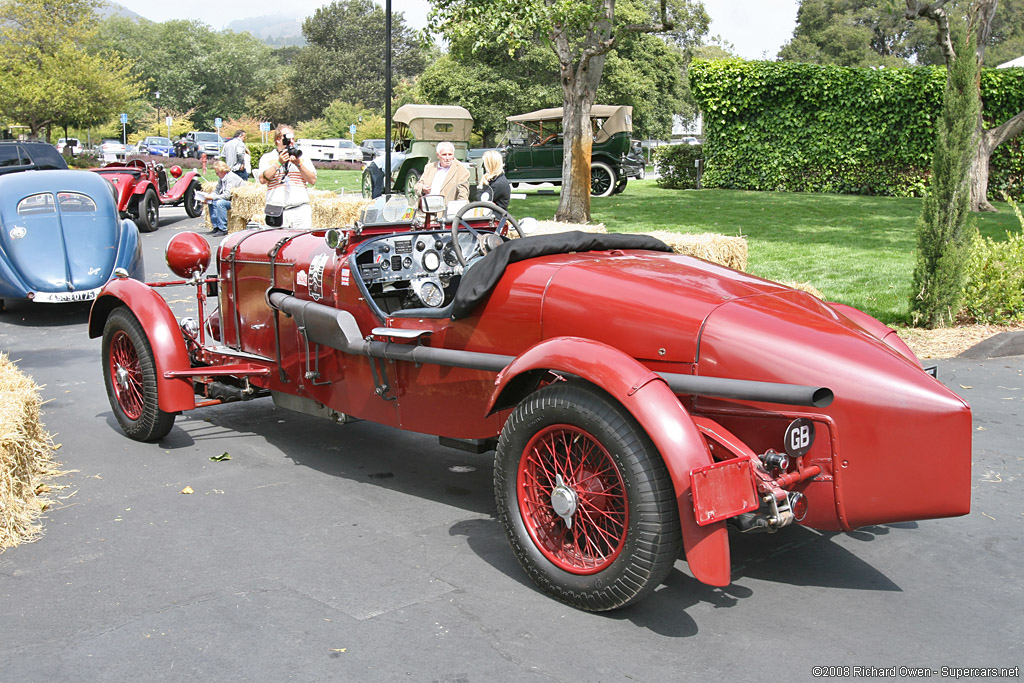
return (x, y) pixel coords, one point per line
(650, 401)
(163, 333)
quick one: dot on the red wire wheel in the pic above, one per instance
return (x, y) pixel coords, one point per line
(130, 376)
(572, 499)
(585, 498)
(124, 366)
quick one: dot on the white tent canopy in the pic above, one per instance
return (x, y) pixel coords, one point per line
(1013, 62)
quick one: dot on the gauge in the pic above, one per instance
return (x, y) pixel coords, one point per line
(431, 260)
(385, 265)
(421, 245)
(407, 262)
(431, 293)
(449, 255)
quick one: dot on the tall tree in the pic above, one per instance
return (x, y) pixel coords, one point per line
(345, 55)
(943, 231)
(211, 73)
(581, 33)
(980, 22)
(49, 79)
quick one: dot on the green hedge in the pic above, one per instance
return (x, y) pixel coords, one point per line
(678, 166)
(806, 127)
(994, 289)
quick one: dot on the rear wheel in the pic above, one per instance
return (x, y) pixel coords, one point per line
(129, 372)
(149, 212)
(620, 185)
(193, 207)
(585, 499)
(367, 184)
(602, 179)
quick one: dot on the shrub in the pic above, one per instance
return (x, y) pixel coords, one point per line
(994, 292)
(678, 166)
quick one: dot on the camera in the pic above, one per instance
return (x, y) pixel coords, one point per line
(289, 146)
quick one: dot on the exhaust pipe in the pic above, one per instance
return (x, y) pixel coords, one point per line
(337, 329)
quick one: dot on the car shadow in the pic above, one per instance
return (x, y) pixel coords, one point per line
(24, 313)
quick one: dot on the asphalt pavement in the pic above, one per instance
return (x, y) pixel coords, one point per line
(321, 552)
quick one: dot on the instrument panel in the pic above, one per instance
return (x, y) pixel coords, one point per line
(410, 256)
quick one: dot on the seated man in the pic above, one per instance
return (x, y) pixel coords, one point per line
(220, 199)
(448, 176)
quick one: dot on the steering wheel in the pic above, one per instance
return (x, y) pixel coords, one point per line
(546, 140)
(136, 163)
(506, 220)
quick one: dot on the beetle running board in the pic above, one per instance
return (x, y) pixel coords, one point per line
(338, 329)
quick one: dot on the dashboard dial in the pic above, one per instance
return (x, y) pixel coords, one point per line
(431, 261)
(431, 294)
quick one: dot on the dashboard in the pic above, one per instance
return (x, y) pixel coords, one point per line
(412, 269)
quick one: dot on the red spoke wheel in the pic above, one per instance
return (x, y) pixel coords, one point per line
(585, 499)
(129, 373)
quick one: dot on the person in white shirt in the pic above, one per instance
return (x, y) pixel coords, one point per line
(234, 154)
(287, 178)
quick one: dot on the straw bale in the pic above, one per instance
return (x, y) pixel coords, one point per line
(727, 251)
(25, 458)
(330, 210)
(804, 287)
(551, 227)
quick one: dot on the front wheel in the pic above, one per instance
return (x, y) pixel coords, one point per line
(149, 212)
(129, 372)
(585, 499)
(193, 208)
(602, 179)
(411, 178)
(367, 184)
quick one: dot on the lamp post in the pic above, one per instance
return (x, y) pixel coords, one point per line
(157, 112)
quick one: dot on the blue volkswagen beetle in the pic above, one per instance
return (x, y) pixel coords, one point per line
(61, 238)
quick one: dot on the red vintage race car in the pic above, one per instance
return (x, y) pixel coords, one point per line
(640, 402)
(142, 188)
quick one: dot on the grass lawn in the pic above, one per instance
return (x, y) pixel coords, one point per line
(856, 250)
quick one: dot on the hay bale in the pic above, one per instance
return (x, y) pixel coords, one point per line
(727, 251)
(330, 210)
(551, 227)
(25, 458)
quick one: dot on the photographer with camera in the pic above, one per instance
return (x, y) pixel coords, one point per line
(286, 176)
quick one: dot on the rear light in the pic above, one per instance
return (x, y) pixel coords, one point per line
(30, 296)
(798, 505)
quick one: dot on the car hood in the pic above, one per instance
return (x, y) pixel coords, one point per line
(650, 305)
(61, 252)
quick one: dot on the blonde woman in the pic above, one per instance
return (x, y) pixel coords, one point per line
(494, 185)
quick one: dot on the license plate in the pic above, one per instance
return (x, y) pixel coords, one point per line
(65, 297)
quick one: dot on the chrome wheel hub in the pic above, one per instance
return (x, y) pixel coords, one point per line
(564, 501)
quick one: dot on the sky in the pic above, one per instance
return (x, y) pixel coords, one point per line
(756, 28)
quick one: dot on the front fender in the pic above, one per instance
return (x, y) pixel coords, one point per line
(408, 164)
(661, 415)
(169, 352)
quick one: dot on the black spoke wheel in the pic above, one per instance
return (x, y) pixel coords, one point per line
(149, 212)
(602, 179)
(129, 373)
(193, 207)
(585, 499)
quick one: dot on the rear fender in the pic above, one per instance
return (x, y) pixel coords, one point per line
(179, 187)
(169, 352)
(141, 187)
(878, 329)
(661, 415)
(408, 164)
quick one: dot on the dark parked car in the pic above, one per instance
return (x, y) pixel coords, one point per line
(534, 149)
(640, 402)
(198, 143)
(29, 155)
(61, 238)
(371, 148)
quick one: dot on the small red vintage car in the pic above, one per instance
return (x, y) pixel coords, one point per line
(640, 402)
(141, 188)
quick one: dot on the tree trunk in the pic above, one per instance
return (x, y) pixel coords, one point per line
(574, 205)
(979, 174)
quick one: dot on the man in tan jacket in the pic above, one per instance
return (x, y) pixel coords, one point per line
(447, 176)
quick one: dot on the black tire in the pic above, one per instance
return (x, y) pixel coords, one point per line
(193, 208)
(620, 185)
(616, 472)
(602, 179)
(411, 178)
(148, 212)
(129, 373)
